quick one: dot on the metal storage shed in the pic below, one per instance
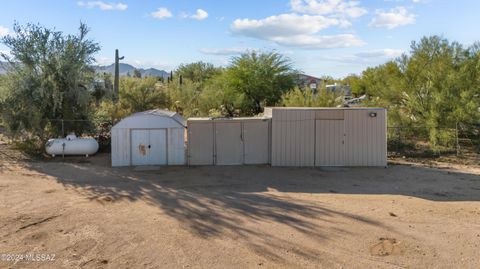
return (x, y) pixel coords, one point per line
(228, 141)
(328, 136)
(155, 137)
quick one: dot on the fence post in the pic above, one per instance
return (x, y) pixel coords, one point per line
(63, 129)
(456, 139)
(401, 135)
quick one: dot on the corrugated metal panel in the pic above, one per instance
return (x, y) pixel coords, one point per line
(332, 114)
(256, 142)
(293, 140)
(293, 137)
(365, 141)
(176, 146)
(310, 139)
(329, 144)
(120, 147)
(236, 140)
(200, 143)
(228, 143)
(276, 150)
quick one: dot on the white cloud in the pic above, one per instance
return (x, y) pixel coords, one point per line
(282, 25)
(3, 31)
(365, 57)
(320, 42)
(392, 18)
(225, 51)
(385, 53)
(162, 13)
(138, 63)
(343, 10)
(295, 31)
(403, 1)
(200, 15)
(103, 6)
(103, 60)
(350, 9)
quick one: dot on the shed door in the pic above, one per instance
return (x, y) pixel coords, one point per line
(200, 143)
(256, 139)
(229, 143)
(157, 154)
(329, 143)
(366, 140)
(139, 147)
(149, 147)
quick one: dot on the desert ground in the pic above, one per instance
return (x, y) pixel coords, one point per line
(85, 214)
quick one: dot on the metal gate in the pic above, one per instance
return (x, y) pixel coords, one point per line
(229, 143)
(256, 135)
(200, 143)
(329, 143)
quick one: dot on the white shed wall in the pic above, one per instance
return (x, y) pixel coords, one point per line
(121, 144)
(120, 147)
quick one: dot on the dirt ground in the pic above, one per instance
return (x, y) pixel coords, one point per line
(89, 215)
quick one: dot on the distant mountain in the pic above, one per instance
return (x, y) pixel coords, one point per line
(127, 69)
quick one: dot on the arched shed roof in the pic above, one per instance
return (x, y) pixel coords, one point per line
(155, 118)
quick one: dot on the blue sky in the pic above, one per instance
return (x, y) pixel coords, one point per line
(322, 37)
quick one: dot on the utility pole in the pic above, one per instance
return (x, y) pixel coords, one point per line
(117, 76)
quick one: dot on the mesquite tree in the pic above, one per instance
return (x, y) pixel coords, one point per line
(49, 77)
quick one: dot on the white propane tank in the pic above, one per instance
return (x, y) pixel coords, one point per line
(71, 145)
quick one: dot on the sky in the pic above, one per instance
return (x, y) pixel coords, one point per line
(321, 37)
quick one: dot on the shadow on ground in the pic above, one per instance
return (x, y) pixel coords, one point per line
(213, 201)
